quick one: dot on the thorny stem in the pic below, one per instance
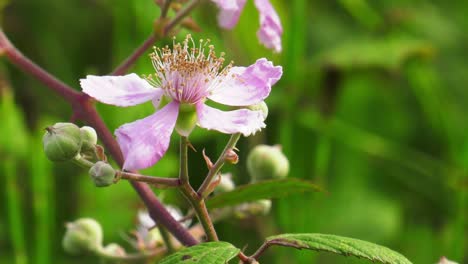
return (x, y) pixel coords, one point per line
(130, 60)
(85, 110)
(165, 8)
(181, 15)
(202, 191)
(164, 182)
(192, 196)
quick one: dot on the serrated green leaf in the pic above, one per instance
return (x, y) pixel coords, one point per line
(262, 190)
(206, 253)
(339, 245)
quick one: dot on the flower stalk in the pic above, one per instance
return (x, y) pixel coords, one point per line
(203, 191)
(192, 196)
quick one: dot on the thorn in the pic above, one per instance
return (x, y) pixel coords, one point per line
(213, 185)
(191, 146)
(209, 164)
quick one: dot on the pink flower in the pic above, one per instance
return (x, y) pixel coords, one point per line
(185, 76)
(270, 30)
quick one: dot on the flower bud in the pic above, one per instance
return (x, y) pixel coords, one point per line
(262, 106)
(267, 162)
(260, 207)
(89, 138)
(186, 120)
(82, 236)
(102, 174)
(114, 249)
(232, 157)
(62, 141)
(226, 184)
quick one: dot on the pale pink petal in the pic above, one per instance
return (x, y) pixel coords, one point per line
(229, 12)
(270, 26)
(124, 90)
(244, 86)
(145, 141)
(242, 121)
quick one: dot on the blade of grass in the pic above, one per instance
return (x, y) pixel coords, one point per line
(42, 188)
(14, 214)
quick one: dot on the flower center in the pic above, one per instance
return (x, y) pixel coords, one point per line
(187, 71)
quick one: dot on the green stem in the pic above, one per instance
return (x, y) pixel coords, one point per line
(203, 190)
(167, 240)
(137, 257)
(82, 162)
(192, 196)
(166, 182)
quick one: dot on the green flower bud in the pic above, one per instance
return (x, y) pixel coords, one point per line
(89, 138)
(262, 106)
(260, 207)
(82, 236)
(102, 174)
(186, 120)
(62, 141)
(267, 162)
(114, 249)
(226, 184)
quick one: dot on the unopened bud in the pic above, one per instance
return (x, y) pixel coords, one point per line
(225, 184)
(262, 106)
(62, 141)
(82, 236)
(102, 174)
(114, 249)
(89, 138)
(267, 162)
(232, 157)
(260, 207)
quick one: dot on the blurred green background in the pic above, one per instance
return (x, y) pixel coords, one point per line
(371, 106)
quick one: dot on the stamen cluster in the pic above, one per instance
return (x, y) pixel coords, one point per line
(187, 72)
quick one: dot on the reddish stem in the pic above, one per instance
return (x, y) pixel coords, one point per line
(84, 109)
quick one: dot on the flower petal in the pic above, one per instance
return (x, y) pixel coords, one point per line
(270, 30)
(229, 12)
(242, 121)
(244, 86)
(145, 141)
(124, 90)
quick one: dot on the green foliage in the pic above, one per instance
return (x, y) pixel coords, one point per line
(339, 245)
(205, 253)
(262, 190)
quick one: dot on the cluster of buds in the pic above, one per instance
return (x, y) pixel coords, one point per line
(85, 236)
(68, 142)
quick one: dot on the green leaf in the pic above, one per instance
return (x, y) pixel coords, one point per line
(206, 253)
(339, 245)
(262, 190)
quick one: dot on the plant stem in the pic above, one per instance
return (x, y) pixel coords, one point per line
(128, 62)
(180, 15)
(165, 8)
(167, 240)
(130, 257)
(82, 105)
(202, 191)
(166, 182)
(192, 196)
